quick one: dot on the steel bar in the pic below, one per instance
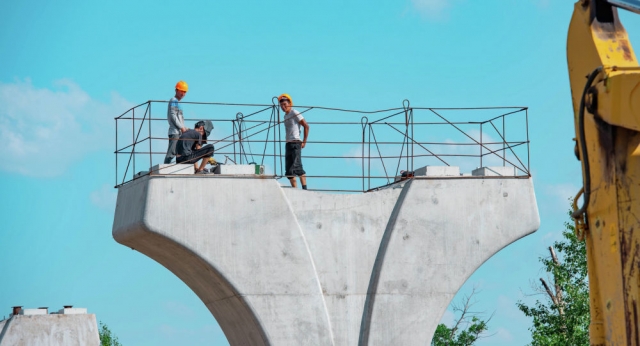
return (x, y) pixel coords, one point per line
(629, 5)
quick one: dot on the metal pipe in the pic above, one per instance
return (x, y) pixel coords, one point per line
(504, 142)
(133, 138)
(526, 113)
(481, 146)
(150, 158)
(116, 152)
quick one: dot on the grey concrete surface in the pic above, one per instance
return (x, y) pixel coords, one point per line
(508, 171)
(291, 267)
(187, 168)
(50, 330)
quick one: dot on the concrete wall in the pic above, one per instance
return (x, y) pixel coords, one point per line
(50, 330)
(291, 267)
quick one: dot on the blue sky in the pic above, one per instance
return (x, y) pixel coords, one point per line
(69, 68)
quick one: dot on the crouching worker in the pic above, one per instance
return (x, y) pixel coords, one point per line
(190, 146)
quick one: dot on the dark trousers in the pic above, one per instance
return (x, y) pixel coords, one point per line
(206, 151)
(293, 159)
(171, 150)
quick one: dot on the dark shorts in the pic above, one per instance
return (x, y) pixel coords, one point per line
(204, 152)
(293, 159)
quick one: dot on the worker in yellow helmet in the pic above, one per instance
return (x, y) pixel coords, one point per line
(176, 120)
(293, 148)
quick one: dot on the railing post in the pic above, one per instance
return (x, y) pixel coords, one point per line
(504, 144)
(363, 121)
(133, 141)
(280, 143)
(369, 160)
(240, 147)
(526, 112)
(116, 152)
(233, 125)
(150, 137)
(480, 145)
(413, 153)
(275, 150)
(405, 105)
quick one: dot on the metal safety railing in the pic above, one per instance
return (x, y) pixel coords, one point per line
(347, 150)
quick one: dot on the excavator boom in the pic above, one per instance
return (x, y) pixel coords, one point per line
(605, 88)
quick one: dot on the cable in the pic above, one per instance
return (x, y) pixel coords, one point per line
(583, 147)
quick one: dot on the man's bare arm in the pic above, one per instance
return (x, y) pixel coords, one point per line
(306, 132)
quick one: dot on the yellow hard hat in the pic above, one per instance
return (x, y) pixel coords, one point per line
(285, 96)
(182, 86)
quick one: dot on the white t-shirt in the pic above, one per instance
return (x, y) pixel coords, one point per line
(292, 125)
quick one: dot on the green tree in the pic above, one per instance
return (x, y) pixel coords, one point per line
(467, 329)
(562, 318)
(107, 338)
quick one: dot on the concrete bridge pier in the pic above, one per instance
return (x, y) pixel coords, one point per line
(278, 266)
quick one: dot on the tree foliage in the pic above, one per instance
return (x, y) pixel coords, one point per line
(562, 318)
(107, 338)
(467, 329)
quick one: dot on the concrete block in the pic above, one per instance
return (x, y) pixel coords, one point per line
(72, 311)
(172, 169)
(508, 171)
(33, 312)
(438, 171)
(241, 169)
(432, 171)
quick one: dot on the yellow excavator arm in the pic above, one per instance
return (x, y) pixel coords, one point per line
(605, 89)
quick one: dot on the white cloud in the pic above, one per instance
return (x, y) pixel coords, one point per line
(560, 194)
(553, 205)
(104, 198)
(503, 335)
(507, 307)
(550, 237)
(432, 9)
(354, 156)
(45, 130)
(179, 310)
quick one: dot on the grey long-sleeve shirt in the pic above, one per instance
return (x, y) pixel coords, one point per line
(175, 117)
